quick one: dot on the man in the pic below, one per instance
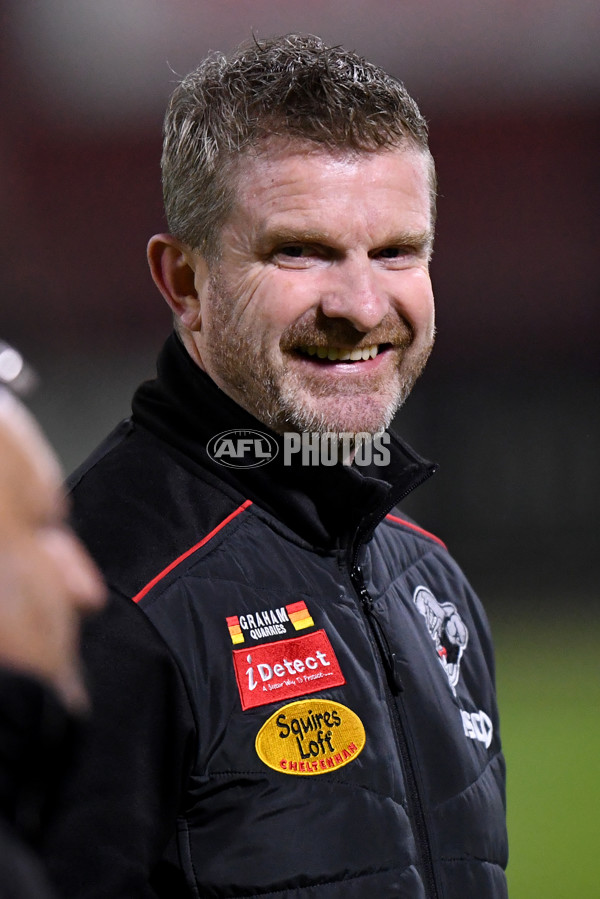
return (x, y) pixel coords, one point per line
(47, 581)
(293, 686)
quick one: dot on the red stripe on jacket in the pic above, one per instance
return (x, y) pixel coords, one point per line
(188, 552)
(415, 527)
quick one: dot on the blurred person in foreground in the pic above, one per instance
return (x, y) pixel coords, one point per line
(47, 581)
(293, 683)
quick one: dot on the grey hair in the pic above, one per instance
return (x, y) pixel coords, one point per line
(293, 87)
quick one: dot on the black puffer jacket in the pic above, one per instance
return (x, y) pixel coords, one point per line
(294, 688)
(37, 740)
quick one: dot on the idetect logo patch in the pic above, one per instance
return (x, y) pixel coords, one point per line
(312, 736)
(275, 671)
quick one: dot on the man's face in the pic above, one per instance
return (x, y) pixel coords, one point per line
(47, 580)
(319, 313)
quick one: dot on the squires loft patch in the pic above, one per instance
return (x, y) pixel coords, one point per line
(285, 669)
(310, 737)
(269, 622)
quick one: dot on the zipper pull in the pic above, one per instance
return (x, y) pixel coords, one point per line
(390, 661)
(389, 658)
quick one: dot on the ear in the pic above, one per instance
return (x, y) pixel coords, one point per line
(180, 275)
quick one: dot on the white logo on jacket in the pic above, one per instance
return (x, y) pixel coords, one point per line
(447, 630)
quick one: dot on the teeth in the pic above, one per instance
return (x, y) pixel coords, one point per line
(337, 355)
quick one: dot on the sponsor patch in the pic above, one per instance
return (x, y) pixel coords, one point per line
(312, 736)
(478, 726)
(299, 615)
(264, 623)
(235, 631)
(271, 672)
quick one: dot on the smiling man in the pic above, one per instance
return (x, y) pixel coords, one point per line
(293, 684)
(321, 285)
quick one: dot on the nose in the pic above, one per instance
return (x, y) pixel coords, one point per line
(82, 579)
(353, 294)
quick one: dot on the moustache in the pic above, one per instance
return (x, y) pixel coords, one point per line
(338, 332)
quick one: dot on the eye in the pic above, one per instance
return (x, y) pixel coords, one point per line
(393, 252)
(400, 256)
(296, 251)
(296, 255)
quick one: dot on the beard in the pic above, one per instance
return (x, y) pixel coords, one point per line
(281, 394)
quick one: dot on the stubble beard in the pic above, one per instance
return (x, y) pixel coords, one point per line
(369, 407)
(285, 399)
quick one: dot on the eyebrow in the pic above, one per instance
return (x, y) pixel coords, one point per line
(420, 240)
(271, 237)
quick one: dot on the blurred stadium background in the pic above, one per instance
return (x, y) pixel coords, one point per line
(509, 405)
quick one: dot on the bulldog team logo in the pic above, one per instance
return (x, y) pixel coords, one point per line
(447, 630)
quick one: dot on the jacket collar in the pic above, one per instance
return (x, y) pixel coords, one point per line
(330, 507)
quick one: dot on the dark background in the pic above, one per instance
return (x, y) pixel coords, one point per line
(509, 404)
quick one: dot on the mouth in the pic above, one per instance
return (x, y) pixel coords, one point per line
(340, 354)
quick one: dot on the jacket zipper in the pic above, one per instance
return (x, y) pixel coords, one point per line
(393, 689)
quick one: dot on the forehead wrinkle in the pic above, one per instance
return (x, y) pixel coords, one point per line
(278, 202)
(251, 168)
